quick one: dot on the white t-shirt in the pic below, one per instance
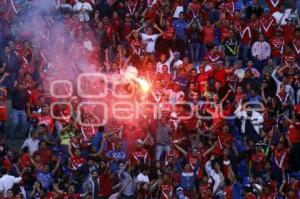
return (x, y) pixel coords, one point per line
(150, 41)
(142, 178)
(278, 15)
(7, 182)
(85, 6)
(32, 144)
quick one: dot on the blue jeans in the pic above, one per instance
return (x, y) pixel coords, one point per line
(230, 60)
(160, 150)
(194, 49)
(244, 52)
(19, 122)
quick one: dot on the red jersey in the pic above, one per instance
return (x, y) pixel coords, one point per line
(254, 25)
(214, 56)
(172, 154)
(106, 185)
(246, 34)
(3, 110)
(281, 158)
(228, 7)
(289, 58)
(294, 133)
(141, 154)
(267, 196)
(24, 161)
(193, 161)
(48, 121)
(166, 191)
(202, 80)
(131, 6)
(51, 195)
(220, 75)
(195, 9)
(206, 191)
(76, 162)
(70, 196)
(296, 46)
(237, 24)
(208, 34)
(258, 160)
(169, 33)
(288, 32)
(224, 33)
(277, 44)
(273, 5)
(45, 155)
(267, 25)
(227, 190)
(136, 46)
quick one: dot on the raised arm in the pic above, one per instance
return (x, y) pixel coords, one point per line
(181, 150)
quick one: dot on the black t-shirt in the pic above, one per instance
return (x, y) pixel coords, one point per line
(231, 46)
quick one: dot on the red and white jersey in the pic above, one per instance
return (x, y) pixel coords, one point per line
(76, 162)
(228, 7)
(267, 25)
(267, 196)
(47, 120)
(281, 158)
(206, 191)
(289, 58)
(246, 34)
(141, 154)
(131, 6)
(193, 161)
(195, 9)
(214, 56)
(136, 46)
(273, 5)
(277, 45)
(296, 46)
(166, 191)
(172, 154)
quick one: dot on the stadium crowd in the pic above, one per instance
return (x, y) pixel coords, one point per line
(224, 75)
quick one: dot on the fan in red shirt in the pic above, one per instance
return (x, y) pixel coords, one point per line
(228, 7)
(205, 188)
(267, 193)
(288, 57)
(277, 43)
(257, 161)
(227, 189)
(109, 30)
(268, 24)
(214, 55)
(140, 155)
(281, 154)
(194, 9)
(167, 190)
(288, 31)
(203, 76)
(106, 180)
(254, 26)
(296, 43)
(44, 152)
(71, 194)
(172, 154)
(76, 161)
(3, 110)
(224, 139)
(274, 5)
(46, 119)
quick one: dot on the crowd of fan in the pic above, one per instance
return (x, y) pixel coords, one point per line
(236, 62)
